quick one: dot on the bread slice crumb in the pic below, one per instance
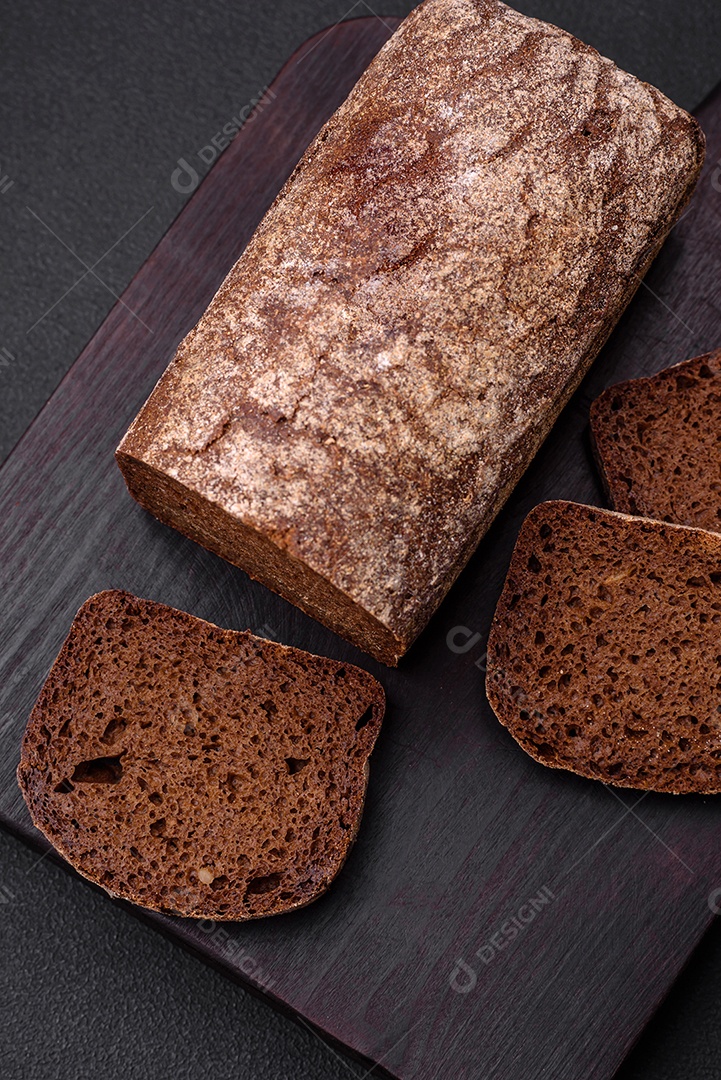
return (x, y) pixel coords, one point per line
(604, 655)
(194, 770)
(657, 442)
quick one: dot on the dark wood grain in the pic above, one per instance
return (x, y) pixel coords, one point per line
(461, 829)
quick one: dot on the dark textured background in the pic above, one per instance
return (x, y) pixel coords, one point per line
(99, 101)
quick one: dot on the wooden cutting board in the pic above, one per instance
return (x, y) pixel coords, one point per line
(495, 919)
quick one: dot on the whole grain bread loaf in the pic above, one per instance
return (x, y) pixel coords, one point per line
(428, 289)
(194, 770)
(605, 651)
(657, 442)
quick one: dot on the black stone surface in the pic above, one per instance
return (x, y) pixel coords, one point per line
(99, 101)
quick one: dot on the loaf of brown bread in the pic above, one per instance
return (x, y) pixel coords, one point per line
(658, 443)
(605, 651)
(195, 770)
(426, 292)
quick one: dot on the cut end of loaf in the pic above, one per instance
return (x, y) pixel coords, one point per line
(194, 770)
(604, 656)
(266, 559)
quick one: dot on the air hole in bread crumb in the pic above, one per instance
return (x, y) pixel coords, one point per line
(113, 730)
(295, 765)
(264, 884)
(545, 751)
(102, 770)
(364, 719)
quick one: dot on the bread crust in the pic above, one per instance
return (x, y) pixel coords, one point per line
(194, 770)
(426, 292)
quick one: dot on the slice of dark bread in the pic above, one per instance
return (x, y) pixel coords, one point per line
(195, 770)
(604, 655)
(657, 442)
